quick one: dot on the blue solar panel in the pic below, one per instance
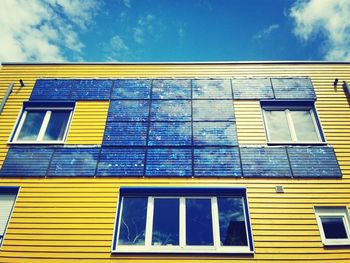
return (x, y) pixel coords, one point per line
(26, 161)
(313, 162)
(125, 133)
(214, 133)
(265, 162)
(91, 89)
(169, 162)
(170, 133)
(121, 162)
(212, 89)
(252, 88)
(214, 161)
(74, 162)
(171, 89)
(171, 110)
(52, 89)
(213, 110)
(131, 89)
(293, 88)
(128, 110)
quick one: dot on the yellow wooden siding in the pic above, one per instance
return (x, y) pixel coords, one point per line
(73, 218)
(249, 122)
(88, 122)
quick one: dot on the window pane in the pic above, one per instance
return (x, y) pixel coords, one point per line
(57, 126)
(231, 220)
(199, 231)
(278, 128)
(304, 126)
(166, 222)
(333, 227)
(133, 221)
(31, 126)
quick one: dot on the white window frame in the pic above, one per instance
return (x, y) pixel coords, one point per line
(44, 125)
(294, 139)
(182, 247)
(335, 212)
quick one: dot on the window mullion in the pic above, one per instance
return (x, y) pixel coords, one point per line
(291, 125)
(182, 226)
(19, 128)
(215, 217)
(149, 222)
(44, 126)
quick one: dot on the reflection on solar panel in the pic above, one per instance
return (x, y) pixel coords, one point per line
(213, 110)
(171, 89)
(125, 133)
(131, 89)
(170, 133)
(214, 133)
(128, 110)
(212, 89)
(171, 110)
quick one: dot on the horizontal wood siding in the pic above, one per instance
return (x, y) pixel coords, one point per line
(249, 122)
(88, 122)
(73, 218)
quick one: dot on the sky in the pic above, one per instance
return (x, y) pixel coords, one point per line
(173, 30)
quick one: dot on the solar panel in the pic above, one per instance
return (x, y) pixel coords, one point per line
(212, 89)
(265, 162)
(171, 110)
(313, 162)
(52, 89)
(74, 162)
(121, 162)
(213, 110)
(215, 161)
(128, 110)
(131, 89)
(293, 88)
(169, 162)
(214, 133)
(26, 161)
(252, 88)
(171, 89)
(91, 89)
(125, 133)
(170, 133)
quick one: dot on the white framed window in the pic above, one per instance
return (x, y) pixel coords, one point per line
(292, 124)
(8, 195)
(47, 123)
(334, 226)
(182, 220)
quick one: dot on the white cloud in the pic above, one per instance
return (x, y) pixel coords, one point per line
(41, 30)
(329, 18)
(147, 25)
(127, 3)
(266, 31)
(116, 49)
(117, 43)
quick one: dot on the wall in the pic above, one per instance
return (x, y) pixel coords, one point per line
(73, 218)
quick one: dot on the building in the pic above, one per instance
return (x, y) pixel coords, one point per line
(198, 162)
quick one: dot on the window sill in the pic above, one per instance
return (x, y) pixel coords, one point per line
(297, 143)
(183, 251)
(37, 143)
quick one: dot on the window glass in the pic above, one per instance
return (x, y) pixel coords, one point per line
(57, 126)
(304, 126)
(199, 230)
(31, 126)
(133, 221)
(278, 128)
(334, 227)
(166, 221)
(231, 221)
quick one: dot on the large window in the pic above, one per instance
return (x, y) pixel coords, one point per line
(183, 220)
(333, 223)
(43, 123)
(291, 123)
(8, 197)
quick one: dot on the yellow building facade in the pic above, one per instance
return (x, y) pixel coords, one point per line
(73, 217)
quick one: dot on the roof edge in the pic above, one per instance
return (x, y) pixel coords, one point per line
(173, 63)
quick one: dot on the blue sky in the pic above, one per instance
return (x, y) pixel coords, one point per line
(174, 30)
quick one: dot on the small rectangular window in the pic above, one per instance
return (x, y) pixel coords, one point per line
(333, 223)
(46, 123)
(183, 220)
(8, 197)
(290, 123)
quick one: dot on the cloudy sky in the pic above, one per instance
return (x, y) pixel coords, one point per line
(174, 30)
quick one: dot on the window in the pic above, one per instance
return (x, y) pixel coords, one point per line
(183, 220)
(291, 123)
(7, 200)
(333, 223)
(43, 123)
